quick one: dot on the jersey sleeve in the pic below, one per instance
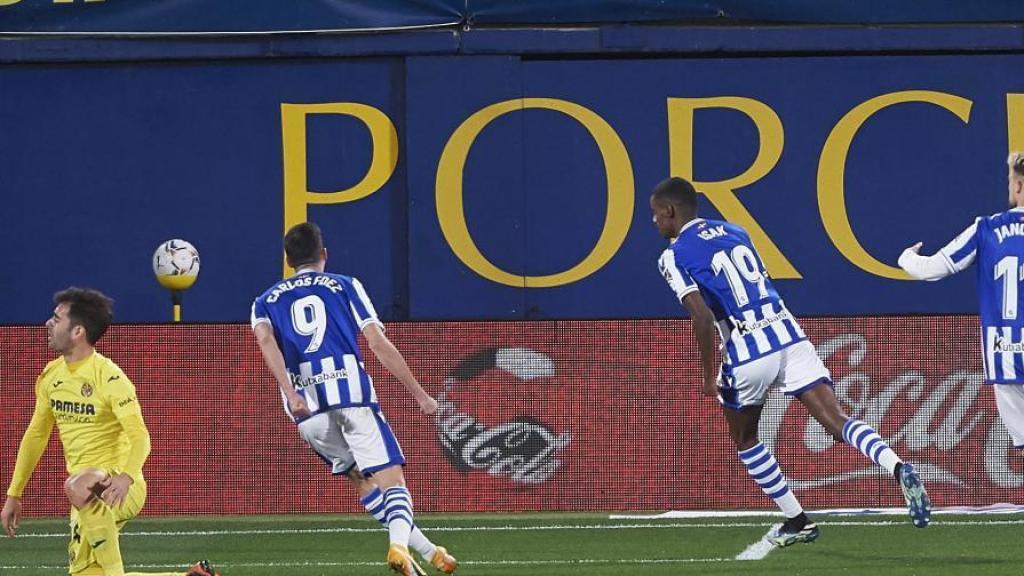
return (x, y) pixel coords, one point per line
(120, 393)
(259, 314)
(679, 280)
(362, 307)
(138, 439)
(961, 251)
(33, 443)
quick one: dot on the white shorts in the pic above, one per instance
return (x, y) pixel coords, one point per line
(1010, 402)
(347, 437)
(793, 369)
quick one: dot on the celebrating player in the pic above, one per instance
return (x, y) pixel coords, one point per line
(105, 440)
(307, 328)
(718, 276)
(997, 243)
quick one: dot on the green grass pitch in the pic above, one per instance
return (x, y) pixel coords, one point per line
(544, 544)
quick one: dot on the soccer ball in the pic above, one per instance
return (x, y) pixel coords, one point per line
(176, 264)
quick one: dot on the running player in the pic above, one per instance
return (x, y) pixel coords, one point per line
(307, 328)
(997, 244)
(715, 272)
(106, 443)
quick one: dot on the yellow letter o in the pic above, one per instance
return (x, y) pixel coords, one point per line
(618, 172)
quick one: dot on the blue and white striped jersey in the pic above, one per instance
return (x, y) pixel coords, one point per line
(317, 318)
(719, 259)
(997, 243)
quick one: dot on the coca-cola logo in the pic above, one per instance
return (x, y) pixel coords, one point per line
(944, 414)
(524, 449)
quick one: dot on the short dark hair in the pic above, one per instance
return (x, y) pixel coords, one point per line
(88, 308)
(303, 244)
(676, 191)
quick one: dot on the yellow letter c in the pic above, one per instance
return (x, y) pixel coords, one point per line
(832, 170)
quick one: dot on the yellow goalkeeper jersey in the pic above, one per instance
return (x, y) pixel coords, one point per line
(97, 413)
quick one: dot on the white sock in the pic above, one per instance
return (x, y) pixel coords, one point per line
(864, 438)
(763, 468)
(374, 504)
(398, 513)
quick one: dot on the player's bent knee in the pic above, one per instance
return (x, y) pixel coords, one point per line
(744, 437)
(362, 484)
(389, 477)
(83, 487)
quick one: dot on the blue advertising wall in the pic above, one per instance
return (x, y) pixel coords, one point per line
(103, 165)
(500, 187)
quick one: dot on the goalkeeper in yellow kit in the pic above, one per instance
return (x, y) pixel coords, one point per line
(105, 440)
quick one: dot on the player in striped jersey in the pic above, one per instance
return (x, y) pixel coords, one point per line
(717, 275)
(996, 243)
(307, 328)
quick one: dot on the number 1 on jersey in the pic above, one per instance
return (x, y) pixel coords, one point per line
(1012, 274)
(309, 318)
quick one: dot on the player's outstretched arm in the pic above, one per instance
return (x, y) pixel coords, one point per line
(393, 360)
(704, 329)
(956, 256)
(931, 268)
(275, 363)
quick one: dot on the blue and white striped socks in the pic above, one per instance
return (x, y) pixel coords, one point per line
(864, 438)
(374, 504)
(398, 514)
(763, 468)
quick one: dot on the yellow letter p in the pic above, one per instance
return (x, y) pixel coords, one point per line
(293, 135)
